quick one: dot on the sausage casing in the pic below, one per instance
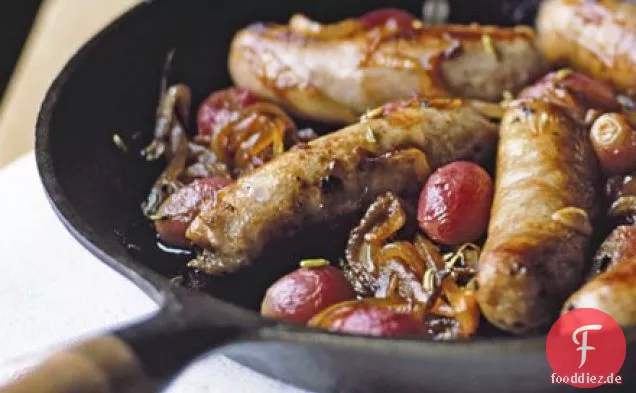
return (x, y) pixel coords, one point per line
(597, 37)
(335, 80)
(335, 176)
(545, 198)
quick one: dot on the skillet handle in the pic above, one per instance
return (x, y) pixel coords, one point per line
(136, 359)
(100, 365)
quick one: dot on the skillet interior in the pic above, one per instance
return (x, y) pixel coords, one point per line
(112, 86)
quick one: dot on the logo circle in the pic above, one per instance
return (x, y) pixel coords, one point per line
(585, 345)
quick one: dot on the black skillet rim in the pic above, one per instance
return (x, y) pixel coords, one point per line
(158, 287)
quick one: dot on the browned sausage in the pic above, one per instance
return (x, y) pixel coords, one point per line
(539, 231)
(613, 291)
(597, 37)
(336, 77)
(336, 176)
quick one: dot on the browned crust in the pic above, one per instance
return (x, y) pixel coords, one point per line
(336, 80)
(531, 262)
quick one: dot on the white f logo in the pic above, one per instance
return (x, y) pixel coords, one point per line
(584, 348)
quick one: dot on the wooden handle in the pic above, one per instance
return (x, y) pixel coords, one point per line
(100, 365)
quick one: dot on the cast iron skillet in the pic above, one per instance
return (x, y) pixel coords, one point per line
(111, 86)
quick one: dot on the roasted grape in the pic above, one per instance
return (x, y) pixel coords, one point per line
(455, 203)
(222, 107)
(614, 141)
(303, 293)
(392, 18)
(368, 319)
(177, 212)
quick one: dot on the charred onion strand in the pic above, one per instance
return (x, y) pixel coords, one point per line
(382, 220)
(459, 304)
(415, 273)
(173, 108)
(172, 115)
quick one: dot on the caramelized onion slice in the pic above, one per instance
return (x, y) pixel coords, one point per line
(256, 136)
(491, 110)
(383, 219)
(429, 252)
(459, 304)
(465, 257)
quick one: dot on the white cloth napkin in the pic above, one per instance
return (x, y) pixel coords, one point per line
(53, 292)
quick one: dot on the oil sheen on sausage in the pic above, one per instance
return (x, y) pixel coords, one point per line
(597, 37)
(538, 236)
(337, 175)
(336, 79)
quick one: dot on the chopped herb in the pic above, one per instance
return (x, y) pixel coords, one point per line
(372, 114)
(314, 263)
(452, 259)
(370, 135)
(508, 96)
(563, 73)
(489, 46)
(120, 143)
(429, 280)
(344, 265)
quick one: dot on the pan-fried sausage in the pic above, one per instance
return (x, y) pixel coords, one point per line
(336, 176)
(613, 291)
(594, 36)
(333, 73)
(545, 198)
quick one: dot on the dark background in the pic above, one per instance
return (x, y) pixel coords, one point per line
(16, 18)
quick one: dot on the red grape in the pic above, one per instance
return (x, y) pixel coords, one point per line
(301, 294)
(178, 211)
(223, 106)
(614, 141)
(369, 319)
(455, 202)
(401, 19)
